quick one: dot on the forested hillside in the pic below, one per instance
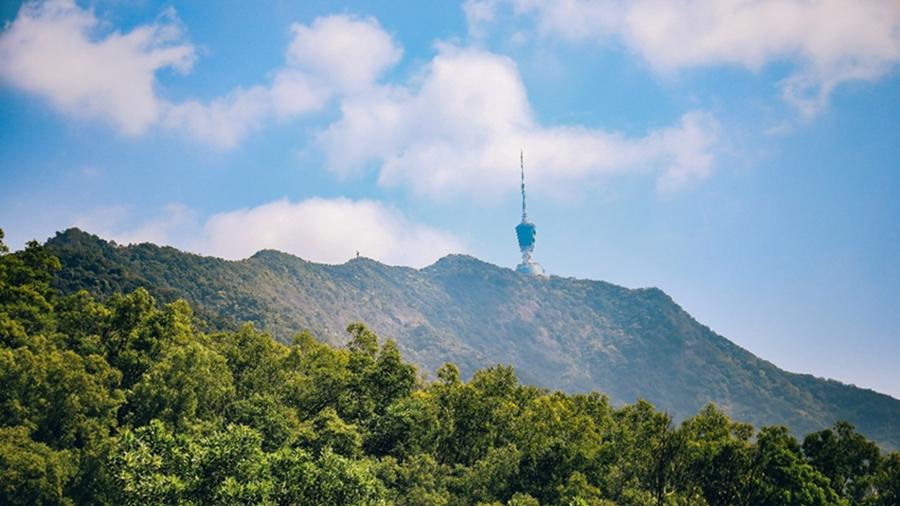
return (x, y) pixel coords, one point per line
(125, 401)
(559, 333)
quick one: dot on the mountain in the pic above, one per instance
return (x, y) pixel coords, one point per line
(560, 333)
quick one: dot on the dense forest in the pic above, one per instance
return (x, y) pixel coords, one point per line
(123, 400)
(573, 335)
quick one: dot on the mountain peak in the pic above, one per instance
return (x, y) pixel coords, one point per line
(274, 254)
(75, 234)
(460, 261)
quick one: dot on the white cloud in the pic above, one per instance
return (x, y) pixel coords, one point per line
(327, 230)
(830, 41)
(294, 92)
(317, 229)
(51, 50)
(332, 56)
(348, 53)
(460, 128)
(56, 50)
(225, 121)
(455, 128)
(478, 14)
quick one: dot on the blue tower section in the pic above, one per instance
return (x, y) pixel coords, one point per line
(526, 234)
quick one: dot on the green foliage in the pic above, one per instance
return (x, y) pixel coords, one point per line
(886, 482)
(782, 476)
(127, 401)
(25, 292)
(149, 467)
(718, 451)
(844, 456)
(32, 473)
(560, 333)
(189, 383)
(63, 399)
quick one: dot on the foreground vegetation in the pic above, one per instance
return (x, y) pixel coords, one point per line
(123, 401)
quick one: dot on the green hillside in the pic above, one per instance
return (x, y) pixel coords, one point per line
(559, 333)
(125, 401)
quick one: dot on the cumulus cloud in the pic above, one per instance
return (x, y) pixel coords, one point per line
(456, 127)
(829, 41)
(317, 229)
(332, 56)
(225, 121)
(56, 50)
(459, 128)
(348, 53)
(51, 50)
(327, 230)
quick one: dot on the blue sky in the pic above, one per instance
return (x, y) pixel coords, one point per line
(740, 155)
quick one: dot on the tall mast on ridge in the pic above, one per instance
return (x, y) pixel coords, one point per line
(522, 166)
(526, 232)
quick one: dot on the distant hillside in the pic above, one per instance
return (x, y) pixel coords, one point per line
(561, 333)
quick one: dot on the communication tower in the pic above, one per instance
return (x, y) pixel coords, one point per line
(526, 233)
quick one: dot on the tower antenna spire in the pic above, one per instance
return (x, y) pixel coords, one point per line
(526, 232)
(522, 166)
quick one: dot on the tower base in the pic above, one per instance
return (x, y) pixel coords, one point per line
(530, 268)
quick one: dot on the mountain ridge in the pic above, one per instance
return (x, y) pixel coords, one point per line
(559, 332)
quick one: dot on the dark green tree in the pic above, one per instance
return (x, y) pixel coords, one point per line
(32, 473)
(781, 475)
(886, 482)
(188, 384)
(845, 457)
(26, 296)
(716, 458)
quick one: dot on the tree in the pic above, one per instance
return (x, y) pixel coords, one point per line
(716, 457)
(63, 399)
(32, 473)
(631, 455)
(476, 416)
(782, 476)
(331, 432)
(418, 480)
(578, 491)
(82, 323)
(149, 465)
(266, 413)
(886, 482)
(410, 426)
(316, 376)
(25, 293)
(190, 383)
(845, 457)
(558, 440)
(391, 378)
(329, 480)
(254, 358)
(229, 467)
(139, 333)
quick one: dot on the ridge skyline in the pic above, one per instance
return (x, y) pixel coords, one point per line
(451, 256)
